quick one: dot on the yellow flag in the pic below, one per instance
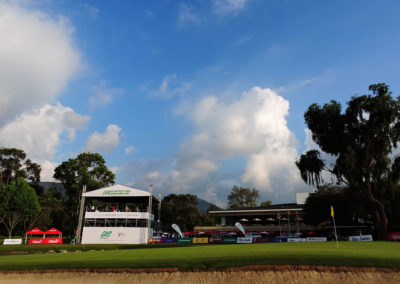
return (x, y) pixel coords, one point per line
(332, 213)
(288, 212)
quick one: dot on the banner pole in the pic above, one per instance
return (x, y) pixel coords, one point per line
(334, 226)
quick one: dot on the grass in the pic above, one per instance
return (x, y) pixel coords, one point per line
(203, 257)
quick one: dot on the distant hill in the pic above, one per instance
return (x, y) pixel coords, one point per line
(204, 205)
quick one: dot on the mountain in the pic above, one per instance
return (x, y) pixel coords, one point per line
(203, 205)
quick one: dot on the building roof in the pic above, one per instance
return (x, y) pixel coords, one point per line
(259, 209)
(116, 191)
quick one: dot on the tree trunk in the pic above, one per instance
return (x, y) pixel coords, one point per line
(378, 214)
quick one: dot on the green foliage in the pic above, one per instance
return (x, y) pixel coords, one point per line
(362, 138)
(86, 169)
(242, 197)
(13, 166)
(266, 203)
(318, 204)
(22, 205)
(181, 210)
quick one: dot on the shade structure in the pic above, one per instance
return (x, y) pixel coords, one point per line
(284, 219)
(311, 233)
(53, 231)
(256, 219)
(264, 233)
(270, 219)
(243, 220)
(35, 231)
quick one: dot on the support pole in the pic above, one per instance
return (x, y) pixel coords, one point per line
(79, 228)
(149, 211)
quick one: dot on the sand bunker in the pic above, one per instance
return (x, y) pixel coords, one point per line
(296, 276)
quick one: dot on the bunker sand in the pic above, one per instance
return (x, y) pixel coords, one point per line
(258, 276)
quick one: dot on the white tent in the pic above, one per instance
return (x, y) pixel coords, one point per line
(116, 191)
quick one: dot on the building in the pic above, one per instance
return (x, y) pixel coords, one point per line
(118, 215)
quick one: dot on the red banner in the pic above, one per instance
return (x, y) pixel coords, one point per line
(154, 241)
(45, 241)
(393, 236)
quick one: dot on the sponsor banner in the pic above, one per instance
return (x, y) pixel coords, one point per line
(154, 241)
(217, 240)
(36, 241)
(185, 241)
(277, 240)
(364, 238)
(117, 215)
(245, 240)
(115, 235)
(261, 240)
(52, 241)
(294, 240)
(229, 240)
(12, 242)
(200, 240)
(393, 236)
(316, 239)
(169, 240)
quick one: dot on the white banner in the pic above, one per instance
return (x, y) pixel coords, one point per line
(293, 240)
(115, 235)
(364, 238)
(245, 240)
(12, 242)
(118, 215)
(316, 239)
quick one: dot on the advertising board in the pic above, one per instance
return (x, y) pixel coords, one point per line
(36, 241)
(200, 240)
(169, 240)
(277, 240)
(185, 241)
(118, 215)
(363, 238)
(393, 236)
(229, 240)
(12, 242)
(245, 240)
(316, 239)
(154, 241)
(115, 235)
(261, 240)
(216, 240)
(294, 240)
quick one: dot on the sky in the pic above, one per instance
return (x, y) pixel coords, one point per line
(191, 96)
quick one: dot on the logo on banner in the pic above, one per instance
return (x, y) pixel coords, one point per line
(120, 234)
(105, 234)
(116, 192)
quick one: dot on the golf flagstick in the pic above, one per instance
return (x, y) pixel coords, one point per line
(334, 225)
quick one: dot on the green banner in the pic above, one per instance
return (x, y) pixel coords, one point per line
(185, 241)
(229, 240)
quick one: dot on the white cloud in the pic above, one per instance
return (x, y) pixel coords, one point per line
(91, 10)
(115, 169)
(103, 95)
(39, 132)
(130, 150)
(225, 7)
(252, 128)
(104, 142)
(168, 88)
(47, 171)
(188, 15)
(37, 59)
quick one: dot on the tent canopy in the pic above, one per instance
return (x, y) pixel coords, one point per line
(116, 191)
(35, 231)
(53, 231)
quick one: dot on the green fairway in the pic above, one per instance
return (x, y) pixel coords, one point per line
(357, 254)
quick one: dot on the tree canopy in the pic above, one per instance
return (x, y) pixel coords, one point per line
(22, 203)
(13, 165)
(242, 197)
(86, 169)
(363, 139)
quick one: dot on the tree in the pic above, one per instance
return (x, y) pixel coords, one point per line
(13, 165)
(242, 197)
(86, 169)
(266, 203)
(23, 203)
(362, 140)
(181, 210)
(318, 204)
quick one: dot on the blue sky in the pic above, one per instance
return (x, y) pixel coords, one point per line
(193, 96)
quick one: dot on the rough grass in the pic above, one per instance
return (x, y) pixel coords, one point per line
(351, 254)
